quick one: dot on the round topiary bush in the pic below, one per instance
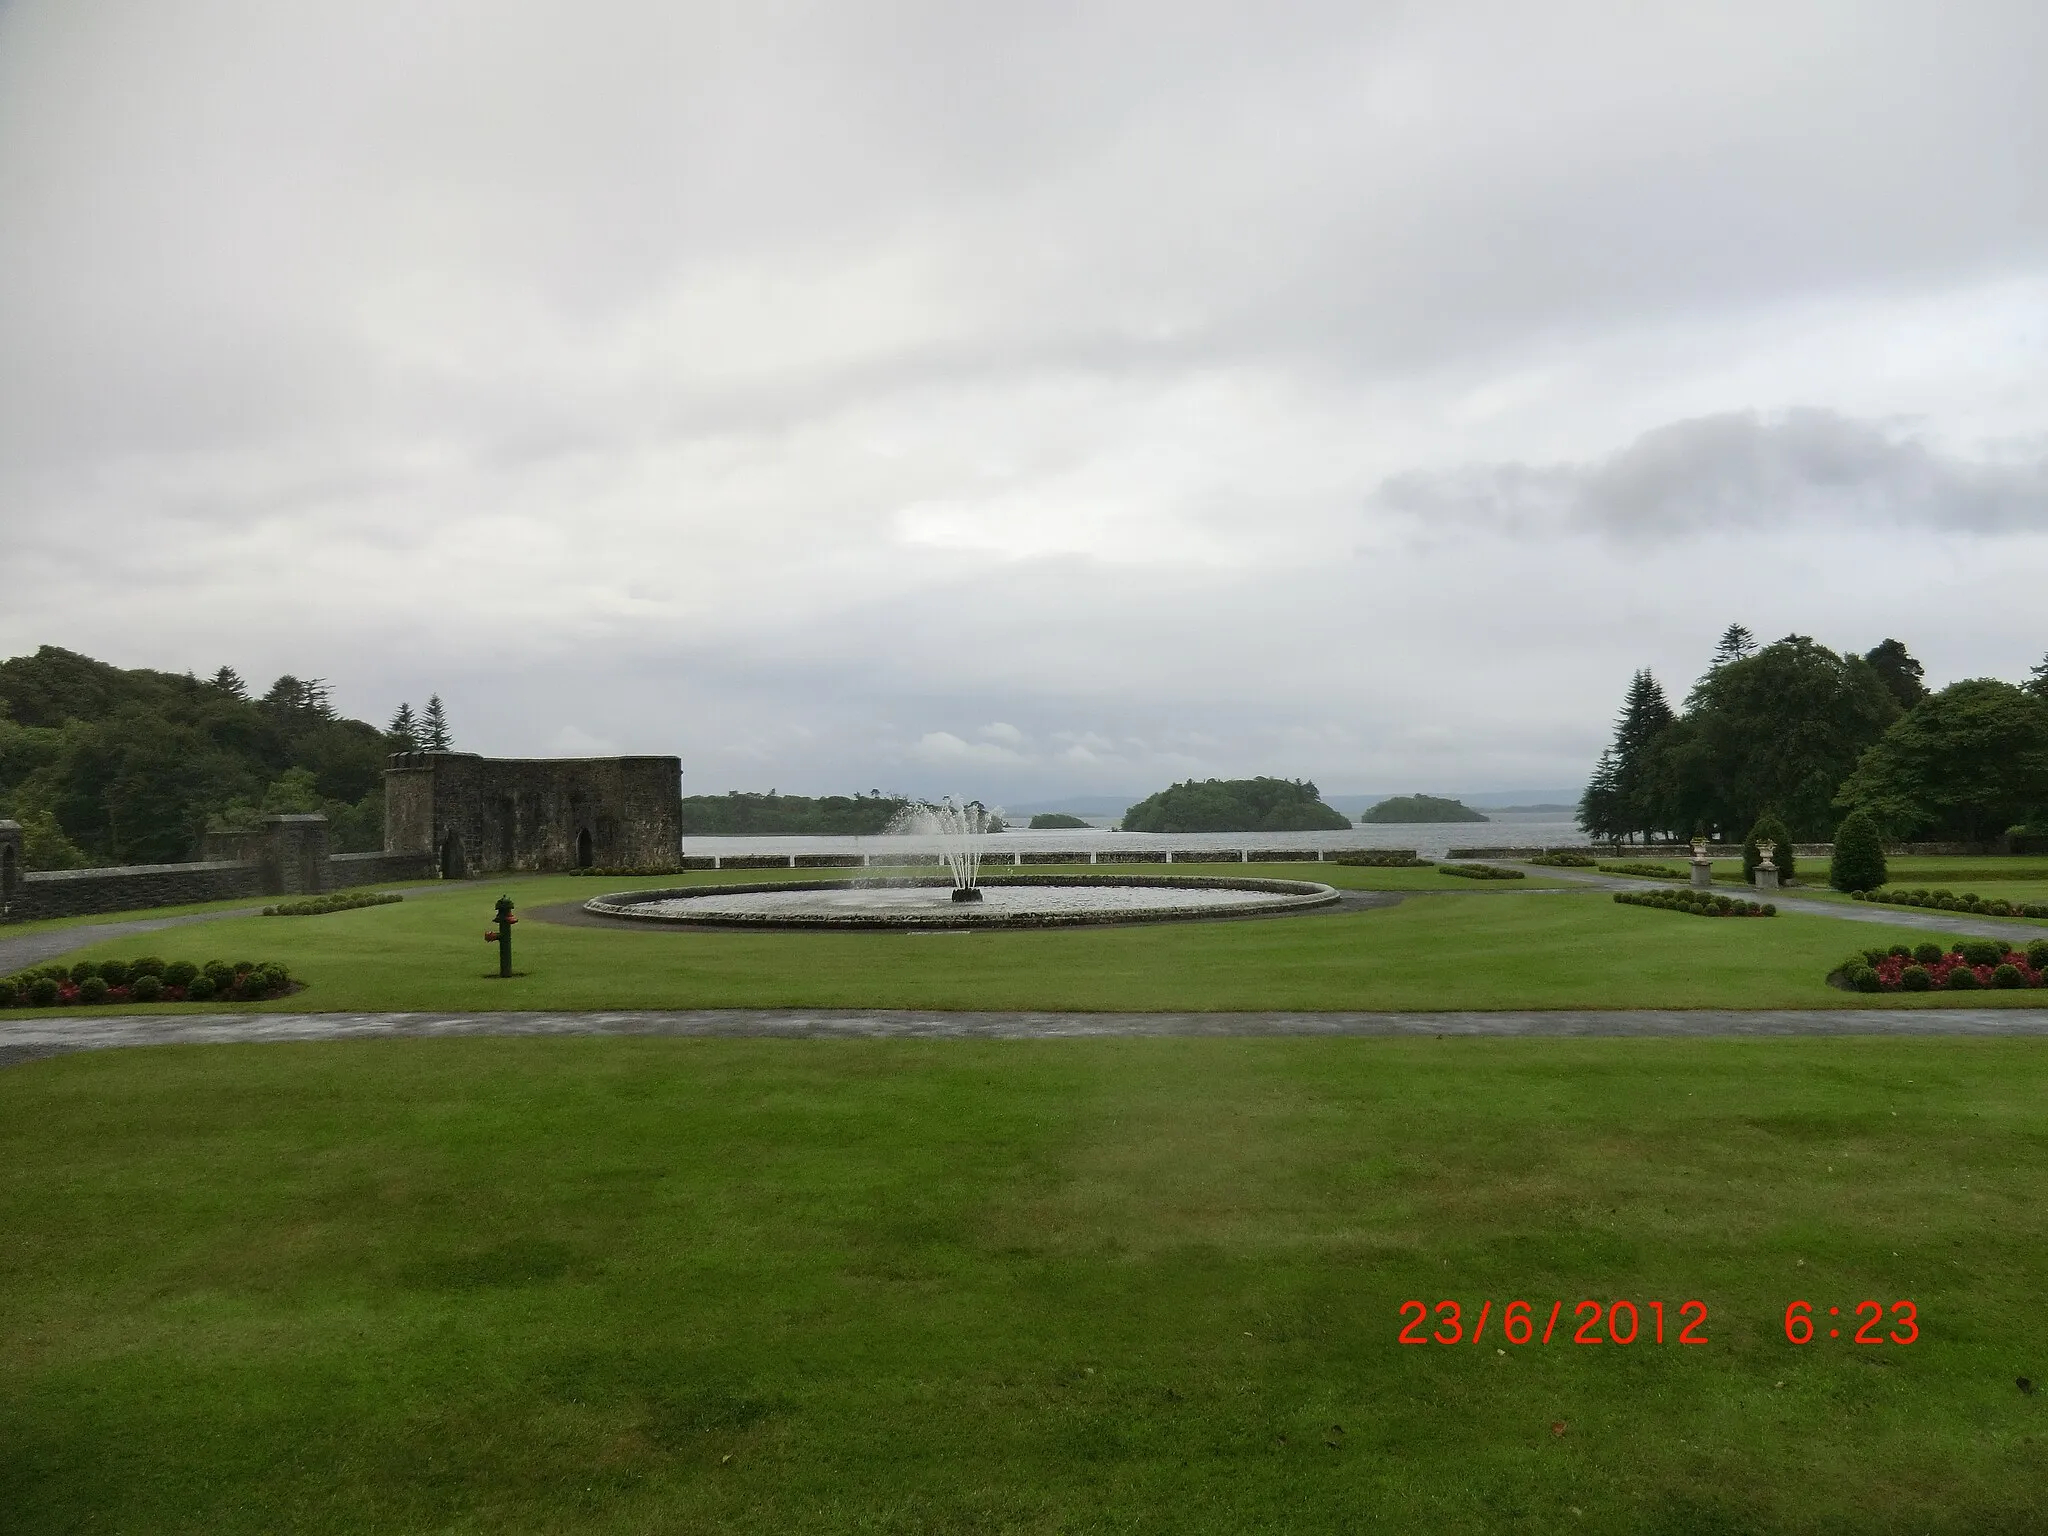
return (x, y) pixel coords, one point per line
(2008, 976)
(1982, 951)
(179, 973)
(275, 976)
(43, 991)
(146, 988)
(1962, 979)
(1858, 863)
(92, 990)
(1864, 979)
(83, 969)
(199, 989)
(2037, 954)
(1914, 978)
(113, 972)
(1770, 909)
(220, 973)
(148, 965)
(1927, 954)
(10, 991)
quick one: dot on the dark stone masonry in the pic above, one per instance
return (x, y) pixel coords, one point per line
(448, 813)
(483, 815)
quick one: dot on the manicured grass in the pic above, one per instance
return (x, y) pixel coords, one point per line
(663, 1285)
(1503, 947)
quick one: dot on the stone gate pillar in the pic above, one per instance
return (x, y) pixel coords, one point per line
(294, 855)
(12, 855)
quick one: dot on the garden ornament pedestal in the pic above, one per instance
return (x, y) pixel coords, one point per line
(1766, 876)
(1702, 866)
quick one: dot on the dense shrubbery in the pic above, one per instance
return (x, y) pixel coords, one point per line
(1698, 903)
(1481, 872)
(340, 901)
(1383, 858)
(86, 984)
(1426, 808)
(1236, 805)
(1564, 858)
(1652, 871)
(1949, 901)
(1858, 863)
(1966, 966)
(736, 813)
(628, 871)
(105, 765)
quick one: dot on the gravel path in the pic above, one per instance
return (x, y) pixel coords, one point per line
(26, 1036)
(31, 948)
(1950, 923)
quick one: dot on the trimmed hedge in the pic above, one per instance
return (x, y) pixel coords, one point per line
(1967, 965)
(1384, 858)
(1647, 871)
(1698, 903)
(1562, 858)
(1949, 901)
(341, 901)
(1481, 872)
(148, 980)
(630, 871)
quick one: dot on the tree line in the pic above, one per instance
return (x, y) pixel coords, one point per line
(1236, 805)
(106, 765)
(1804, 736)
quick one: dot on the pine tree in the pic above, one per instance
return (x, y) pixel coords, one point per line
(1736, 643)
(2037, 680)
(1598, 805)
(434, 729)
(1901, 673)
(1645, 716)
(229, 682)
(404, 729)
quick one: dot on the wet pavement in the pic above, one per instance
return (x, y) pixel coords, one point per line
(25, 1036)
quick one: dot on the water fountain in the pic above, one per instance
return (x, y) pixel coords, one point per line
(957, 830)
(960, 828)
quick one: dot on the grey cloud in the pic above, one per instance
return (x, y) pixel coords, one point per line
(1739, 470)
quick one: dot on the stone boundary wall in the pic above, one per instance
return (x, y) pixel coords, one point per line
(345, 871)
(288, 858)
(128, 888)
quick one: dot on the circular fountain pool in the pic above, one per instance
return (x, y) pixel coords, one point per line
(1007, 902)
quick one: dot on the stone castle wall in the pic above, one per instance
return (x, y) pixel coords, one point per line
(481, 815)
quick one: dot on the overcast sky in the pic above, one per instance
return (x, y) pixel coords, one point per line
(1022, 400)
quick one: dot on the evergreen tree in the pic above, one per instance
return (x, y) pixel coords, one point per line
(1736, 643)
(1645, 716)
(1901, 673)
(229, 682)
(434, 731)
(404, 729)
(1858, 863)
(1599, 806)
(2037, 680)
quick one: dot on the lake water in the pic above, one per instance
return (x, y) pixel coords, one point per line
(1549, 829)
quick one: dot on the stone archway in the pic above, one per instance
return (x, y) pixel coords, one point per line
(584, 858)
(10, 873)
(453, 866)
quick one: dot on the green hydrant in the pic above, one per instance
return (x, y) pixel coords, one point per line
(502, 935)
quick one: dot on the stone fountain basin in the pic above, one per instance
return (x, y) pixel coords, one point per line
(1009, 901)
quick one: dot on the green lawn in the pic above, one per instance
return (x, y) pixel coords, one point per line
(667, 1285)
(1497, 946)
